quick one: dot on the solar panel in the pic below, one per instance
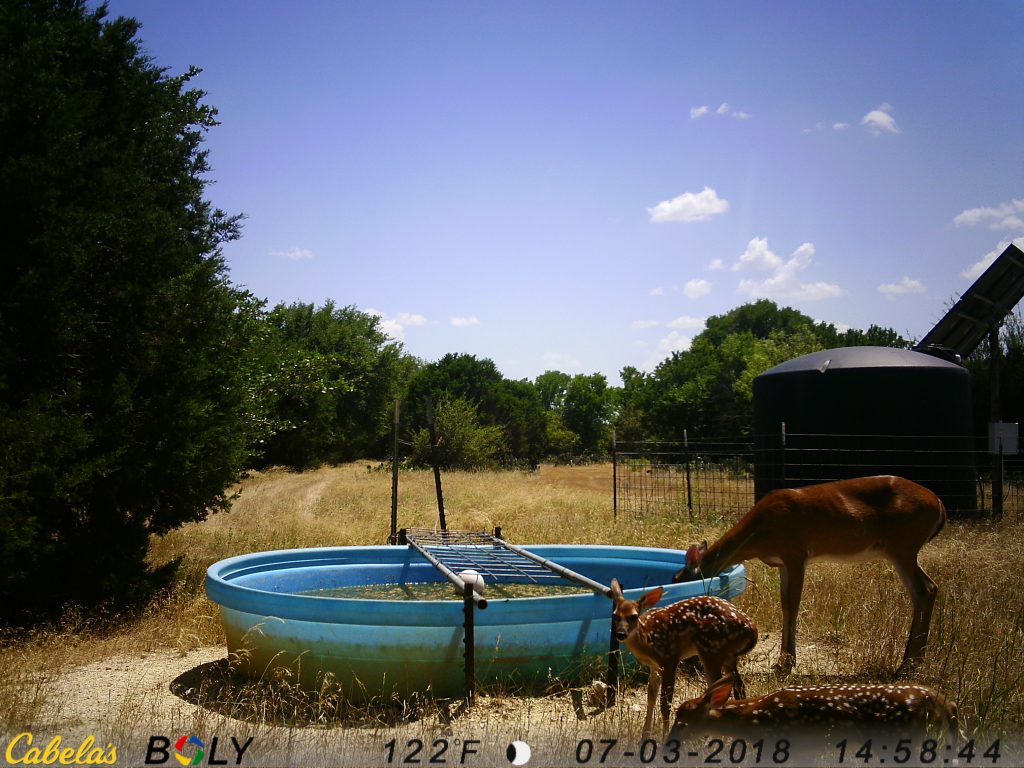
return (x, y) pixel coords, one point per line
(982, 307)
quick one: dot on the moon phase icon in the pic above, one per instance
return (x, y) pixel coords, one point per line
(518, 753)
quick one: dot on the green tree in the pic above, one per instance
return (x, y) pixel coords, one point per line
(124, 408)
(334, 376)
(707, 389)
(631, 403)
(767, 353)
(462, 442)
(587, 411)
(515, 406)
(551, 387)
(562, 443)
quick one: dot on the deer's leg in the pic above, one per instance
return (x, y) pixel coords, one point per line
(739, 690)
(712, 667)
(791, 576)
(923, 592)
(653, 684)
(715, 667)
(668, 689)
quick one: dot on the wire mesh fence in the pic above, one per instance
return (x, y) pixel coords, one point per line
(699, 479)
(709, 479)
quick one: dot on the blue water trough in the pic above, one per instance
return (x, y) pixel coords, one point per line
(384, 648)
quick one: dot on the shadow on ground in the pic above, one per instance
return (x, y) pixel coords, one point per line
(278, 701)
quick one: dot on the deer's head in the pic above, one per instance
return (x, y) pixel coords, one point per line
(626, 613)
(691, 571)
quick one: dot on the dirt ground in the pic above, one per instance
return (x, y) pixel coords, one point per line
(128, 699)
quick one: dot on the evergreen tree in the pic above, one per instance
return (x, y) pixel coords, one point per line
(123, 409)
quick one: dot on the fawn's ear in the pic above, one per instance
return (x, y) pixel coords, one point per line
(616, 590)
(718, 693)
(651, 598)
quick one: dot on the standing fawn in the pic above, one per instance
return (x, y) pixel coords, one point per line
(708, 627)
(874, 706)
(866, 518)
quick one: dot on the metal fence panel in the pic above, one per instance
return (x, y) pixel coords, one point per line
(707, 479)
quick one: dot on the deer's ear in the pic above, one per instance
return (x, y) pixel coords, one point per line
(718, 693)
(651, 598)
(616, 589)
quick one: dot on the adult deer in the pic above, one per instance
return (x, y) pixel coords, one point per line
(708, 627)
(866, 518)
(873, 705)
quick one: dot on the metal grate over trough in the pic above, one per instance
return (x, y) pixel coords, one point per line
(489, 555)
(492, 557)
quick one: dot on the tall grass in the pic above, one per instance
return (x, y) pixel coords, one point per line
(852, 627)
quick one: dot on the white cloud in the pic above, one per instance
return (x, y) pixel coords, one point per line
(395, 326)
(464, 322)
(686, 322)
(757, 256)
(716, 264)
(674, 342)
(689, 206)
(974, 271)
(644, 324)
(721, 110)
(406, 318)
(784, 282)
(694, 289)
(1003, 216)
(393, 329)
(840, 126)
(659, 291)
(904, 286)
(879, 121)
(294, 254)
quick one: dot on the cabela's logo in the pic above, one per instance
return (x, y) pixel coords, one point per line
(21, 751)
(191, 750)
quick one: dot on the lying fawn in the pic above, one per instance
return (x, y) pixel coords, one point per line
(708, 627)
(866, 518)
(870, 705)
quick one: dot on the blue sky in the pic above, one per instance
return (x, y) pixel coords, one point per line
(577, 185)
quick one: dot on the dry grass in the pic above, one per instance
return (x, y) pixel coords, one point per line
(853, 623)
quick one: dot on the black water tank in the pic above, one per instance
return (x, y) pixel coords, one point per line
(866, 411)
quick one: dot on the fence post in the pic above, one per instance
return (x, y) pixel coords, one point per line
(783, 455)
(394, 479)
(615, 478)
(686, 454)
(469, 638)
(435, 461)
(612, 675)
(997, 483)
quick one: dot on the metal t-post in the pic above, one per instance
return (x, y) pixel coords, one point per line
(432, 427)
(470, 642)
(612, 678)
(394, 479)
